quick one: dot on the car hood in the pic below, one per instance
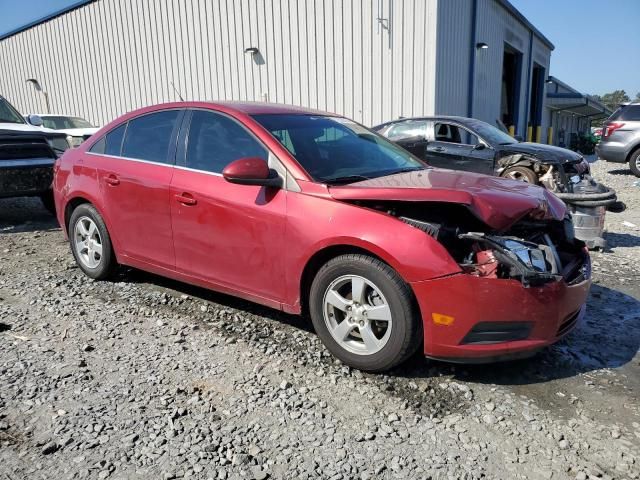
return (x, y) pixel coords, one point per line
(498, 202)
(544, 153)
(79, 132)
(22, 129)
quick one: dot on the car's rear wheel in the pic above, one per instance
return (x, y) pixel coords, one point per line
(90, 242)
(364, 313)
(523, 174)
(634, 163)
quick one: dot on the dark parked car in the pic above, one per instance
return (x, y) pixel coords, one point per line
(620, 140)
(309, 212)
(468, 144)
(460, 143)
(27, 155)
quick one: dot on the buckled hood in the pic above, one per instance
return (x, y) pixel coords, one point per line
(498, 202)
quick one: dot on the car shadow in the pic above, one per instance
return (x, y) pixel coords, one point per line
(622, 171)
(621, 240)
(608, 337)
(222, 300)
(25, 214)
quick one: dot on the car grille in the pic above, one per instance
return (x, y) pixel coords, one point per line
(568, 324)
(15, 149)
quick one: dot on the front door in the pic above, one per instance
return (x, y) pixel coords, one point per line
(135, 165)
(226, 234)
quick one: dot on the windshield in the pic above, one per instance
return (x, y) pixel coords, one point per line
(60, 122)
(491, 134)
(8, 114)
(336, 150)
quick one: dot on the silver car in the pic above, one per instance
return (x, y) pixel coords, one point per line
(621, 137)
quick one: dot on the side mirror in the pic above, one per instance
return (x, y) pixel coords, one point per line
(35, 120)
(479, 146)
(251, 171)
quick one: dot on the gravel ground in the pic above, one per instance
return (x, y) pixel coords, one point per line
(143, 377)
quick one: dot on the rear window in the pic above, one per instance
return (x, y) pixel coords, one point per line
(111, 143)
(630, 113)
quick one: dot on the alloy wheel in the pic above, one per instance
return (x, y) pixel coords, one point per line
(88, 243)
(357, 315)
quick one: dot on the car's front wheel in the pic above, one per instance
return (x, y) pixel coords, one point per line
(91, 243)
(523, 174)
(634, 163)
(364, 313)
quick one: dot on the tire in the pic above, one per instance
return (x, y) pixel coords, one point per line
(385, 294)
(634, 163)
(523, 174)
(97, 263)
(48, 202)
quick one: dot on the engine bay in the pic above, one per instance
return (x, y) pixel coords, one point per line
(533, 252)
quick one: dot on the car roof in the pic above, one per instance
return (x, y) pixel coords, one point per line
(257, 108)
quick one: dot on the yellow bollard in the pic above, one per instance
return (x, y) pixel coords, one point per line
(529, 133)
(512, 130)
(538, 133)
(550, 135)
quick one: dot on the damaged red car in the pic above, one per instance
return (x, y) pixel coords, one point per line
(312, 213)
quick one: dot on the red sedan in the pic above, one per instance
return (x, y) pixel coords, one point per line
(312, 213)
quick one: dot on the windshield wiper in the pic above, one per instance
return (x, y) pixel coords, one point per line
(345, 179)
(403, 170)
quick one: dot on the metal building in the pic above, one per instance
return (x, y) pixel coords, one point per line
(570, 113)
(371, 60)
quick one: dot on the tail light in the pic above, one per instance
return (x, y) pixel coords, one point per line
(610, 128)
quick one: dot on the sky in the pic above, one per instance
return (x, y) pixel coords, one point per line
(597, 42)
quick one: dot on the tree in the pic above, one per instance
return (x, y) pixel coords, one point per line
(637, 99)
(613, 99)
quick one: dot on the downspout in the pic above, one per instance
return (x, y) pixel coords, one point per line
(472, 58)
(528, 100)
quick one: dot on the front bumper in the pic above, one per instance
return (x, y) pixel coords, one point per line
(535, 317)
(25, 177)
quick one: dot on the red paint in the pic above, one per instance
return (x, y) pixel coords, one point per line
(246, 168)
(254, 242)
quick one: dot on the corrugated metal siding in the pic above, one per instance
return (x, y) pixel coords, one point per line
(112, 56)
(495, 26)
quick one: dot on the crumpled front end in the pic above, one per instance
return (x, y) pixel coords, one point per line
(520, 289)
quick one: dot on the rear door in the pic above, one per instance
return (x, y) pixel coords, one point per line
(457, 148)
(135, 166)
(229, 235)
(410, 135)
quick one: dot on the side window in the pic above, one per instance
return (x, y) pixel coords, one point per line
(216, 140)
(446, 132)
(631, 113)
(149, 136)
(111, 143)
(411, 129)
(468, 138)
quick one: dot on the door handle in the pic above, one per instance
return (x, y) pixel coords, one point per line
(438, 149)
(186, 199)
(112, 180)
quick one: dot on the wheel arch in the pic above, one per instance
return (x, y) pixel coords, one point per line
(324, 255)
(79, 199)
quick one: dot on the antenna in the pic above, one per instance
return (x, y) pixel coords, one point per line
(177, 92)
